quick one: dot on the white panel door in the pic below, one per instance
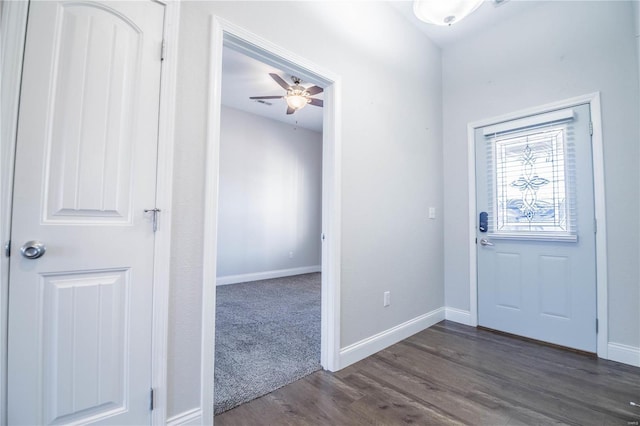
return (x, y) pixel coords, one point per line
(80, 315)
(536, 251)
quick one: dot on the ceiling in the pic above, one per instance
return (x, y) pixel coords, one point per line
(243, 77)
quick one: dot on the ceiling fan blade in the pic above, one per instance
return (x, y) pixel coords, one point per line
(266, 97)
(314, 90)
(290, 110)
(317, 102)
(280, 81)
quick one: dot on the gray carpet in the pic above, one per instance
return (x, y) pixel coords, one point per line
(267, 336)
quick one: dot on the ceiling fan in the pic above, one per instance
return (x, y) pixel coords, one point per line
(297, 96)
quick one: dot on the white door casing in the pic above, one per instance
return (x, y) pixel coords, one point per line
(80, 316)
(537, 274)
(222, 33)
(13, 23)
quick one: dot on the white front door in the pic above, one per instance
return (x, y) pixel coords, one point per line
(536, 228)
(80, 315)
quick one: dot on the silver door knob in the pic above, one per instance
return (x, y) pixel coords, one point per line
(485, 242)
(33, 249)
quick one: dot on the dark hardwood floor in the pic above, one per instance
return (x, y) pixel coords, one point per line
(454, 374)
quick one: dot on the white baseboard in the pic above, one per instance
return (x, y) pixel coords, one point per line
(255, 276)
(188, 418)
(366, 347)
(457, 315)
(624, 354)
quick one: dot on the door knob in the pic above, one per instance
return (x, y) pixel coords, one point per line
(33, 249)
(485, 242)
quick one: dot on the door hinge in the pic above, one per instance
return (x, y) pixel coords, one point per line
(322, 236)
(7, 249)
(476, 240)
(596, 325)
(591, 128)
(162, 49)
(595, 226)
(151, 400)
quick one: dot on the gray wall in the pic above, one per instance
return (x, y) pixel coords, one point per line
(270, 195)
(556, 51)
(391, 164)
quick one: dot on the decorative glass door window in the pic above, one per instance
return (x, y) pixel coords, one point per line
(531, 179)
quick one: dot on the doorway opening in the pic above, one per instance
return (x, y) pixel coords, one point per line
(269, 232)
(226, 35)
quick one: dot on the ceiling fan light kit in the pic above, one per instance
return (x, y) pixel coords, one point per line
(297, 96)
(444, 12)
(296, 101)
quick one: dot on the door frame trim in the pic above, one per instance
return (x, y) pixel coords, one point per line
(13, 35)
(222, 33)
(164, 201)
(593, 99)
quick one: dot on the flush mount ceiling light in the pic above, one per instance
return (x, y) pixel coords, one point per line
(444, 12)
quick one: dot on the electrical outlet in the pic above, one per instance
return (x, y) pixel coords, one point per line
(432, 212)
(290, 255)
(387, 298)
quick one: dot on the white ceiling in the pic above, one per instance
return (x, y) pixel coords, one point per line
(243, 77)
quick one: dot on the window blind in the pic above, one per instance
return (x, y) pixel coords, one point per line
(531, 178)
